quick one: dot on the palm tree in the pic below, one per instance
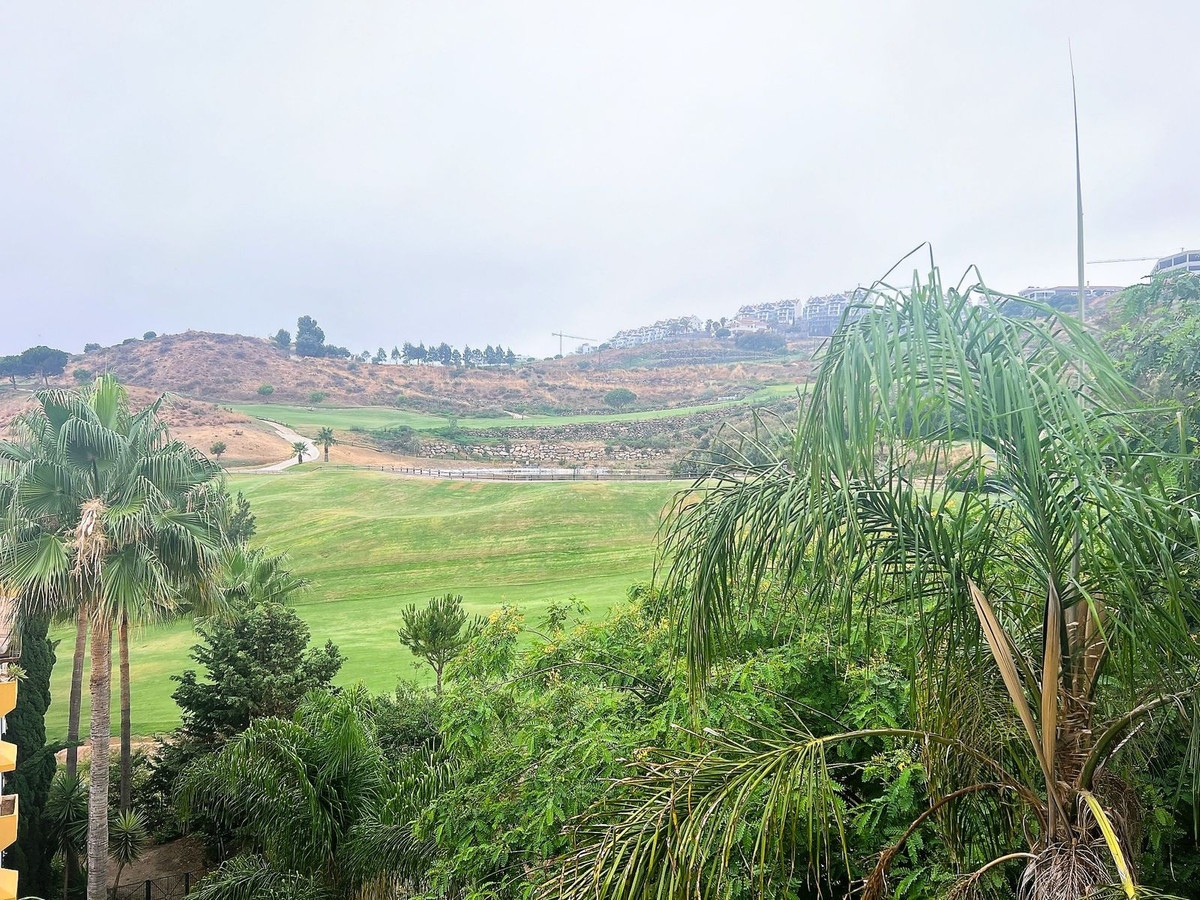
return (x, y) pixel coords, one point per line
(66, 821)
(300, 448)
(254, 576)
(98, 509)
(317, 810)
(130, 837)
(974, 474)
(326, 439)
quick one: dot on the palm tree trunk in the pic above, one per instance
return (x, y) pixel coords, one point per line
(81, 626)
(326, 453)
(126, 750)
(71, 861)
(99, 733)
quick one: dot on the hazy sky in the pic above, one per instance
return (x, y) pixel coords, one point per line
(492, 172)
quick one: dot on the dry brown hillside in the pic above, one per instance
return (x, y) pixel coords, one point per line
(232, 368)
(198, 423)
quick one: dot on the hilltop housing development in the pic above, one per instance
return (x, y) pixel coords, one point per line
(819, 316)
(811, 317)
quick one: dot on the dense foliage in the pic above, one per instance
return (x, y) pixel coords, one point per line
(255, 662)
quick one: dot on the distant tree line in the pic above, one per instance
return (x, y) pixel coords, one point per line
(36, 362)
(310, 342)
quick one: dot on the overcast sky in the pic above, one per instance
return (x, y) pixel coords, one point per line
(492, 172)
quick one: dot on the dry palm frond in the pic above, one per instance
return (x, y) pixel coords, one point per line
(1065, 872)
(91, 539)
(967, 887)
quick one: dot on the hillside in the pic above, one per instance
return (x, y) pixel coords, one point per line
(232, 368)
(247, 440)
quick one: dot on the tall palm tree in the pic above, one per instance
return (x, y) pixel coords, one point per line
(975, 474)
(326, 439)
(98, 510)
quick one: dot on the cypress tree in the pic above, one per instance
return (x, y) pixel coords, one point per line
(25, 726)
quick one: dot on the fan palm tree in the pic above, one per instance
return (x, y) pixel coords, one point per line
(98, 514)
(255, 576)
(300, 448)
(326, 439)
(315, 806)
(975, 475)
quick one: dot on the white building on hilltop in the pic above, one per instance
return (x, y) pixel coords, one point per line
(661, 331)
(1184, 261)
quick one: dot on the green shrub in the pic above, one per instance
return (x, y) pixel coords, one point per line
(619, 397)
(265, 390)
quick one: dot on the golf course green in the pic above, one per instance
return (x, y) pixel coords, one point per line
(370, 543)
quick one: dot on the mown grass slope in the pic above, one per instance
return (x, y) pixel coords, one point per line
(371, 543)
(307, 419)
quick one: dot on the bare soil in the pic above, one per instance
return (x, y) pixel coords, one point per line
(164, 861)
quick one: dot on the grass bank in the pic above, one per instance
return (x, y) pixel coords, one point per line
(307, 419)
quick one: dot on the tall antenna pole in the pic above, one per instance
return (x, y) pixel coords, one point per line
(1078, 190)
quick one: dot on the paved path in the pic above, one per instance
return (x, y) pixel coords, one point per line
(291, 437)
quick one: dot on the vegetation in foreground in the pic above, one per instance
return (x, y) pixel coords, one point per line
(939, 640)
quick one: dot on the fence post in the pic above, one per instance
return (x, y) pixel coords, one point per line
(187, 883)
(149, 889)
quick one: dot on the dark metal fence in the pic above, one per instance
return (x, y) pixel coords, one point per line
(170, 887)
(580, 474)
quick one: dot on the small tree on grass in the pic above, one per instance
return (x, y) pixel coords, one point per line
(217, 448)
(438, 632)
(326, 439)
(266, 390)
(619, 397)
(300, 448)
(316, 397)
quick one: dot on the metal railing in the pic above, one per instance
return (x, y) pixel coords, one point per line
(169, 887)
(579, 474)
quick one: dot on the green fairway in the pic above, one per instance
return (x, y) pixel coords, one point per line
(307, 419)
(371, 542)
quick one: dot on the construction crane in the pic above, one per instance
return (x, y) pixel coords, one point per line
(575, 337)
(1100, 262)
